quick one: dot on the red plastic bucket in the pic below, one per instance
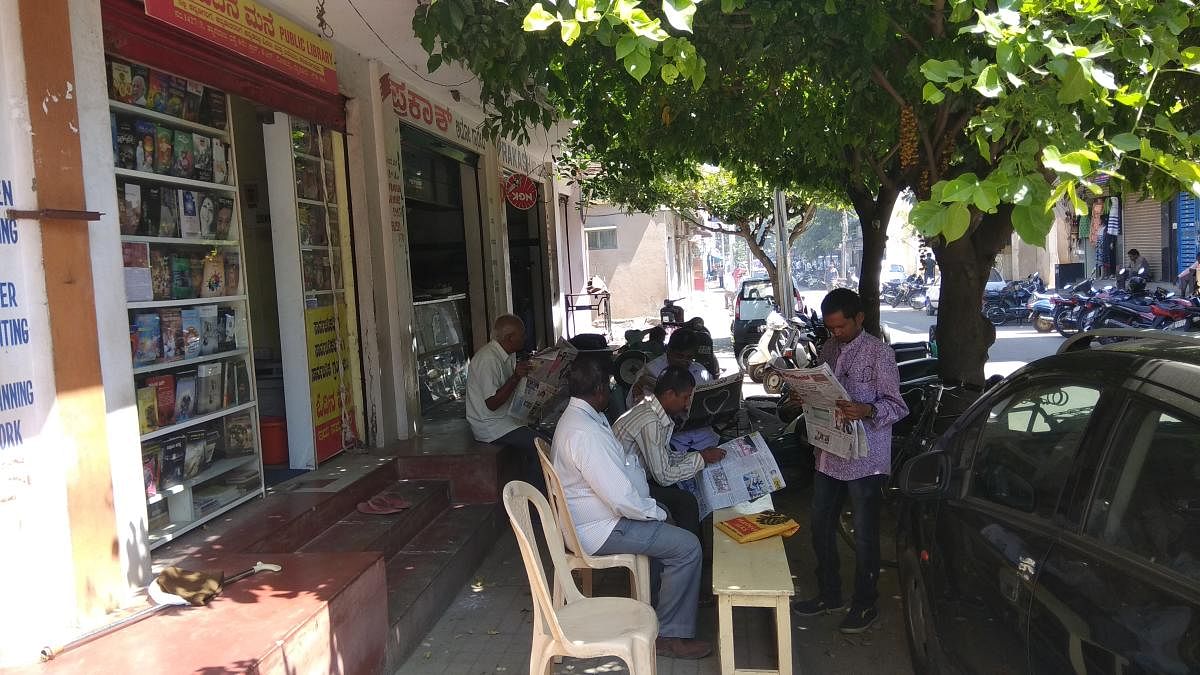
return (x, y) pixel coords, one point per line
(273, 432)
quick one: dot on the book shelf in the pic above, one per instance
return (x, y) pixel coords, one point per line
(306, 176)
(187, 307)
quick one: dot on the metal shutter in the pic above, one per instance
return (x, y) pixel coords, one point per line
(1189, 210)
(1142, 229)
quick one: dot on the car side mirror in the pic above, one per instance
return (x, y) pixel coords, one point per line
(925, 476)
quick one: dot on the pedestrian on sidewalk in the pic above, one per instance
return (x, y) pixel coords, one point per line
(866, 368)
(610, 502)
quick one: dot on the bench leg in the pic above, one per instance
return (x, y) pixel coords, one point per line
(783, 630)
(725, 632)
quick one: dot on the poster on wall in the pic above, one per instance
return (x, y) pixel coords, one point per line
(19, 385)
(520, 191)
(329, 386)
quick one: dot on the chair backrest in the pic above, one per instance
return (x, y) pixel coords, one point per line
(518, 495)
(558, 499)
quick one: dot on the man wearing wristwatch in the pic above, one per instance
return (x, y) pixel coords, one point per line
(866, 368)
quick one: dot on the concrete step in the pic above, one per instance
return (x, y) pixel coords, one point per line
(424, 577)
(389, 533)
(477, 471)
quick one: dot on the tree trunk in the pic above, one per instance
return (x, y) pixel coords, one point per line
(874, 212)
(760, 254)
(963, 334)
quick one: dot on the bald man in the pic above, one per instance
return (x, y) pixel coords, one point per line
(492, 379)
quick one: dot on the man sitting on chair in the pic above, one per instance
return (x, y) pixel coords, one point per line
(492, 379)
(681, 353)
(610, 502)
(646, 430)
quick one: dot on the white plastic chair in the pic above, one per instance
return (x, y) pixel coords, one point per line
(582, 627)
(638, 565)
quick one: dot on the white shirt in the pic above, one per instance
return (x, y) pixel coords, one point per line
(489, 369)
(601, 481)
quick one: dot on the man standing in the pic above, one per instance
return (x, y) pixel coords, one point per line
(928, 264)
(606, 491)
(492, 379)
(866, 368)
(681, 353)
(646, 431)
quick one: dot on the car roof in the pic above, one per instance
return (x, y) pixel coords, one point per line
(1169, 360)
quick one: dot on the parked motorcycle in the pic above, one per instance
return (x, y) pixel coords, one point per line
(1009, 303)
(1068, 305)
(793, 341)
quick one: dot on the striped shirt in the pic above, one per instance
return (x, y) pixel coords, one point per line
(601, 481)
(687, 440)
(646, 430)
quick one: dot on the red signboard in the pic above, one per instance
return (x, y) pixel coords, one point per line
(259, 34)
(520, 191)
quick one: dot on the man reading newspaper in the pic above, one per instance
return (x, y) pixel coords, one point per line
(866, 368)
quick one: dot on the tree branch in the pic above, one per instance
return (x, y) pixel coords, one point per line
(937, 18)
(907, 35)
(802, 226)
(882, 80)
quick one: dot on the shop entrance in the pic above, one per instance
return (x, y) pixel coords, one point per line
(445, 235)
(527, 266)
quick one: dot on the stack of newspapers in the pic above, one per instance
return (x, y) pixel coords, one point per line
(826, 430)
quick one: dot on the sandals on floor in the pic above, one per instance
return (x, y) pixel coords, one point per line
(382, 505)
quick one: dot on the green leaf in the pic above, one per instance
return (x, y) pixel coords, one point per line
(637, 64)
(941, 71)
(1007, 58)
(1190, 57)
(988, 83)
(585, 11)
(726, 6)
(434, 62)
(957, 220)
(1032, 223)
(669, 73)
(1075, 84)
(961, 189)
(986, 197)
(537, 18)
(570, 31)
(457, 17)
(626, 45)
(830, 7)
(931, 94)
(1133, 99)
(679, 13)
(1077, 163)
(1125, 142)
(924, 218)
(962, 10)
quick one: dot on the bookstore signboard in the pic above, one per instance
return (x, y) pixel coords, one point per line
(247, 28)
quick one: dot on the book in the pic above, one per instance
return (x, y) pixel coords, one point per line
(173, 449)
(149, 339)
(190, 333)
(112, 122)
(164, 153)
(206, 209)
(183, 158)
(168, 212)
(212, 108)
(754, 527)
(185, 396)
(209, 335)
(213, 285)
(202, 157)
(138, 278)
(151, 210)
(171, 324)
(239, 435)
(139, 83)
(192, 101)
(189, 215)
(147, 405)
(151, 468)
(120, 81)
(219, 162)
(196, 268)
(156, 92)
(160, 274)
(209, 396)
(224, 226)
(127, 143)
(233, 274)
(212, 443)
(241, 381)
(176, 93)
(227, 322)
(164, 390)
(130, 195)
(145, 132)
(181, 278)
(193, 453)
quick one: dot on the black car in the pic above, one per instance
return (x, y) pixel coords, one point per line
(1055, 528)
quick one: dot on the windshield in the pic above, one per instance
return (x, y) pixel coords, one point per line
(753, 290)
(896, 268)
(996, 276)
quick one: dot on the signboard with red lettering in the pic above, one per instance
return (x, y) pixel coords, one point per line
(520, 191)
(414, 108)
(259, 34)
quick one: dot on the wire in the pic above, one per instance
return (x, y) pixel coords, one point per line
(400, 58)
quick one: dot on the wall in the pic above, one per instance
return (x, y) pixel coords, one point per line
(635, 270)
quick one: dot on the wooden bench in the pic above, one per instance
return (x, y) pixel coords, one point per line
(751, 575)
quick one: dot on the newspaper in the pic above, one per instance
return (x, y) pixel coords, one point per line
(748, 472)
(545, 387)
(826, 430)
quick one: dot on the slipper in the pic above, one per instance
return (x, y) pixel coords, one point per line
(389, 502)
(373, 510)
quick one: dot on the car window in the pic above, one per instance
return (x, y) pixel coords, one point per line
(897, 268)
(1148, 499)
(754, 290)
(1028, 445)
(995, 275)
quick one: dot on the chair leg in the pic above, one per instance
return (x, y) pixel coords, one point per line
(641, 579)
(643, 658)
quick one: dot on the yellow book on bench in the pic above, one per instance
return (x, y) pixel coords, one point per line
(757, 526)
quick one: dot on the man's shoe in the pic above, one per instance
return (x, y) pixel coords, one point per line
(814, 607)
(682, 648)
(858, 620)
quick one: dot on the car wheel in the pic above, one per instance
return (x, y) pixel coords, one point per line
(923, 644)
